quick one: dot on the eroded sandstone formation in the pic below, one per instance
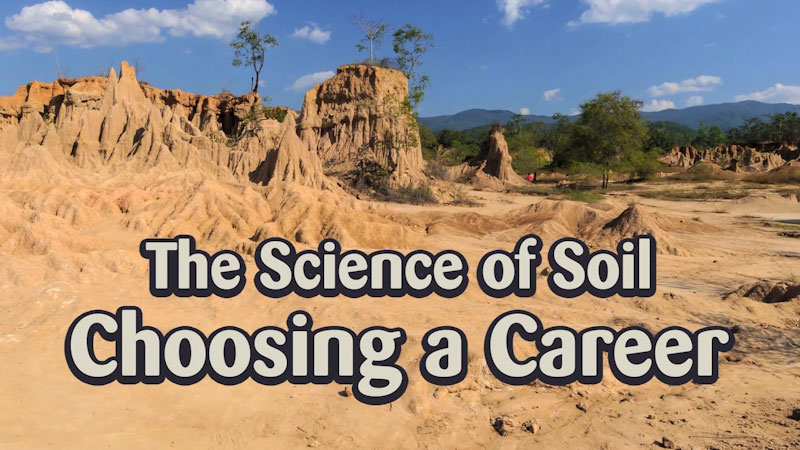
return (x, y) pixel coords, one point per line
(223, 111)
(292, 161)
(497, 160)
(92, 151)
(733, 157)
(360, 115)
(117, 123)
(491, 169)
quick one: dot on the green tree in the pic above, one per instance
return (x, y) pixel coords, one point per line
(457, 146)
(249, 48)
(702, 139)
(374, 32)
(751, 133)
(793, 128)
(410, 43)
(609, 131)
(777, 128)
(428, 141)
(784, 128)
(716, 136)
(527, 155)
(447, 137)
(559, 139)
(643, 164)
(667, 135)
(514, 124)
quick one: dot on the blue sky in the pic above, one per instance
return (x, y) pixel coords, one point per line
(537, 56)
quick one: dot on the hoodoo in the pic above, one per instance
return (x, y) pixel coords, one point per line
(167, 163)
(496, 160)
(116, 122)
(361, 115)
(492, 167)
(292, 161)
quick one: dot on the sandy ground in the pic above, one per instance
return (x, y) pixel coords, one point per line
(725, 244)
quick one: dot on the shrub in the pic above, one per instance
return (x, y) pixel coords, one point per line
(416, 194)
(438, 170)
(256, 113)
(461, 198)
(783, 175)
(278, 114)
(585, 197)
(694, 194)
(703, 172)
(387, 63)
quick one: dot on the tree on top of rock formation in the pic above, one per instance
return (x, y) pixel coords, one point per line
(250, 48)
(410, 43)
(374, 31)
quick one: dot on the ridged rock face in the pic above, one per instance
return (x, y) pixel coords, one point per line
(292, 161)
(357, 116)
(44, 98)
(117, 124)
(732, 157)
(222, 112)
(111, 155)
(218, 113)
(681, 157)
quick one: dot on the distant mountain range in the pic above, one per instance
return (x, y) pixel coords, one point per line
(725, 115)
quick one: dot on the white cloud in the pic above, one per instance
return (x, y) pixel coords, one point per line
(658, 105)
(574, 112)
(514, 10)
(9, 43)
(695, 100)
(635, 11)
(699, 84)
(525, 111)
(307, 81)
(313, 33)
(42, 25)
(780, 93)
(552, 95)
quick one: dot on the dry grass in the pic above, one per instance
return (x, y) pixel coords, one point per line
(461, 198)
(789, 191)
(702, 173)
(784, 175)
(415, 194)
(697, 193)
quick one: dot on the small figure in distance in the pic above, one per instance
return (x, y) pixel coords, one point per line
(530, 178)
